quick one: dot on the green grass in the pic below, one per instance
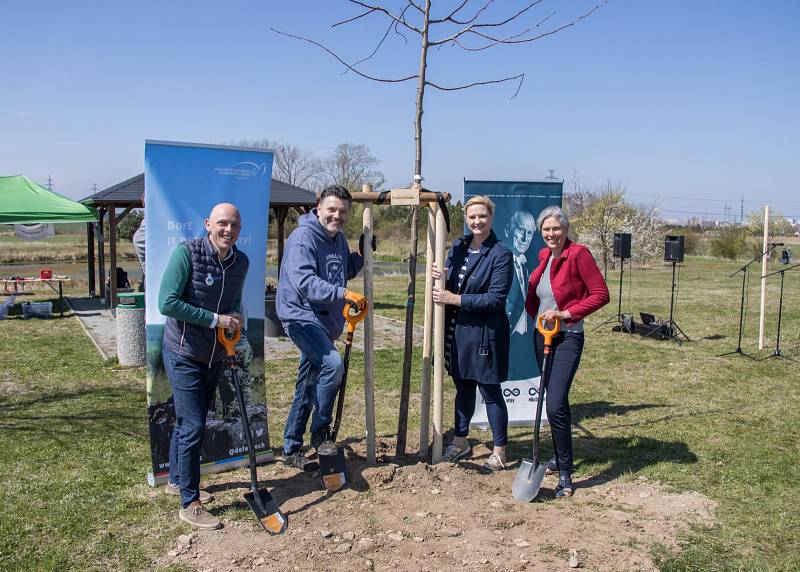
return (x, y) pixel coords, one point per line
(75, 450)
(58, 248)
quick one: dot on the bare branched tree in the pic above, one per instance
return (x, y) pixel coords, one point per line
(352, 165)
(472, 26)
(292, 164)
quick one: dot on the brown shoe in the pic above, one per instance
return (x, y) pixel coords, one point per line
(199, 517)
(205, 496)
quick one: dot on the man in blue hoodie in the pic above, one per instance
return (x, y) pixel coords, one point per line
(316, 265)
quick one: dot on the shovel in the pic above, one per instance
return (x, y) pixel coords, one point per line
(261, 502)
(531, 472)
(332, 467)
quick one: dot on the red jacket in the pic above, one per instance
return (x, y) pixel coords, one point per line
(576, 281)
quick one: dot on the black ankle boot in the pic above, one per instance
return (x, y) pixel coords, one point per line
(565, 488)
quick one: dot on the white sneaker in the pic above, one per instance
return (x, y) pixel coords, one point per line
(495, 462)
(453, 453)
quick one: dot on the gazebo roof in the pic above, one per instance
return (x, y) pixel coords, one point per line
(128, 193)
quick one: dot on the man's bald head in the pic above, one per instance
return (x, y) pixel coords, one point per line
(226, 210)
(224, 224)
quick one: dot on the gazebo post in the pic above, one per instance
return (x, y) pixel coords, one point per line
(90, 257)
(280, 217)
(112, 252)
(101, 253)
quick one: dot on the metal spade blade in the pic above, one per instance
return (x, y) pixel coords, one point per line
(528, 480)
(267, 512)
(333, 470)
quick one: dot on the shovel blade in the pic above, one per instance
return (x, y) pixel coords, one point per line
(267, 512)
(528, 480)
(333, 470)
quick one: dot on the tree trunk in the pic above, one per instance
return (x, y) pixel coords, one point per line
(402, 423)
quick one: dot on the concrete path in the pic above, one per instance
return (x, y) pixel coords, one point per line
(101, 327)
(98, 323)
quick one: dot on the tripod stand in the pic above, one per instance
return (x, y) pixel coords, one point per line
(670, 324)
(619, 317)
(743, 270)
(777, 352)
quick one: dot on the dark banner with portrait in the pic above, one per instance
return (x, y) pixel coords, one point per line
(517, 205)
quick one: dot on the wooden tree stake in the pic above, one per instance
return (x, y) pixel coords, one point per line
(438, 344)
(369, 333)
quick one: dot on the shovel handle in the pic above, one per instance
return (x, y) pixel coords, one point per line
(548, 334)
(353, 319)
(228, 343)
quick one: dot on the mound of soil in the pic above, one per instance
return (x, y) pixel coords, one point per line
(415, 516)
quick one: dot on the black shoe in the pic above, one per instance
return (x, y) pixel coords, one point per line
(320, 437)
(298, 460)
(565, 488)
(552, 467)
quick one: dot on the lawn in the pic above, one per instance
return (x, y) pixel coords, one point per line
(75, 448)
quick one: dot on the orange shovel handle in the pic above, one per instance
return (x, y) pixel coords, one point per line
(353, 319)
(228, 343)
(548, 334)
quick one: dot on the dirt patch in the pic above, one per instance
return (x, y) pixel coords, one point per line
(388, 334)
(11, 388)
(443, 517)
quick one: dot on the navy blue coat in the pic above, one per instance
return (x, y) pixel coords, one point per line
(481, 341)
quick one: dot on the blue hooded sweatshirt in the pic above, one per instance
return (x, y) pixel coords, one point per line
(314, 274)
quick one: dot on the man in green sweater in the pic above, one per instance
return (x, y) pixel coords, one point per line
(201, 290)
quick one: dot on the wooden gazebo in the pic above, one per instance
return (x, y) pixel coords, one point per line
(127, 195)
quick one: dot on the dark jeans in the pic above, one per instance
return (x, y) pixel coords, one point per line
(193, 385)
(565, 358)
(496, 409)
(318, 378)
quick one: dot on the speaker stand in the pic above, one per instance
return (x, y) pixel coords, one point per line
(672, 328)
(618, 317)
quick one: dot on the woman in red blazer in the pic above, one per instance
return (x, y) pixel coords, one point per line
(567, 284)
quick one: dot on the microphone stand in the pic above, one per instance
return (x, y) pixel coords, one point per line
(777, 352)
(743, 270)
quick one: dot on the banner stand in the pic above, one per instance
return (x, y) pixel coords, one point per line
(517, 206)
(183, 182)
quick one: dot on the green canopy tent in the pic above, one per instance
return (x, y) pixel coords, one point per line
(23, 201)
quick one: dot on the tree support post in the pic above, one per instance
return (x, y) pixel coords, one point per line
(427, 340)
(438, 344)
(369, 338)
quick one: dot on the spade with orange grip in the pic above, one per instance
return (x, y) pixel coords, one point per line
(261, 502)
(332, 466)
(531, 471)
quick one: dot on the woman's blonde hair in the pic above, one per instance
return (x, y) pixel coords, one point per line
(480, 200)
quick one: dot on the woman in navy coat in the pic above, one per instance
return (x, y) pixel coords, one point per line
(479, 272)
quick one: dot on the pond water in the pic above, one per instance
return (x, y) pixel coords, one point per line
(80, 270)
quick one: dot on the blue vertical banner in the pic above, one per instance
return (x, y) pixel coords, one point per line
(183, 181)
(517, 206)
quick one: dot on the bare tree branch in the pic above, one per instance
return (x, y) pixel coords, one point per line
(512, 39)
(472, 25)
(496, 41)
(449, 17)
(417, 6)
(344, 63)
(397, 19)
(353, 19)
(392, 24)
(520, 77)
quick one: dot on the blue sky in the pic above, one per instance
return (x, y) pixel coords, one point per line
(689, 104)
